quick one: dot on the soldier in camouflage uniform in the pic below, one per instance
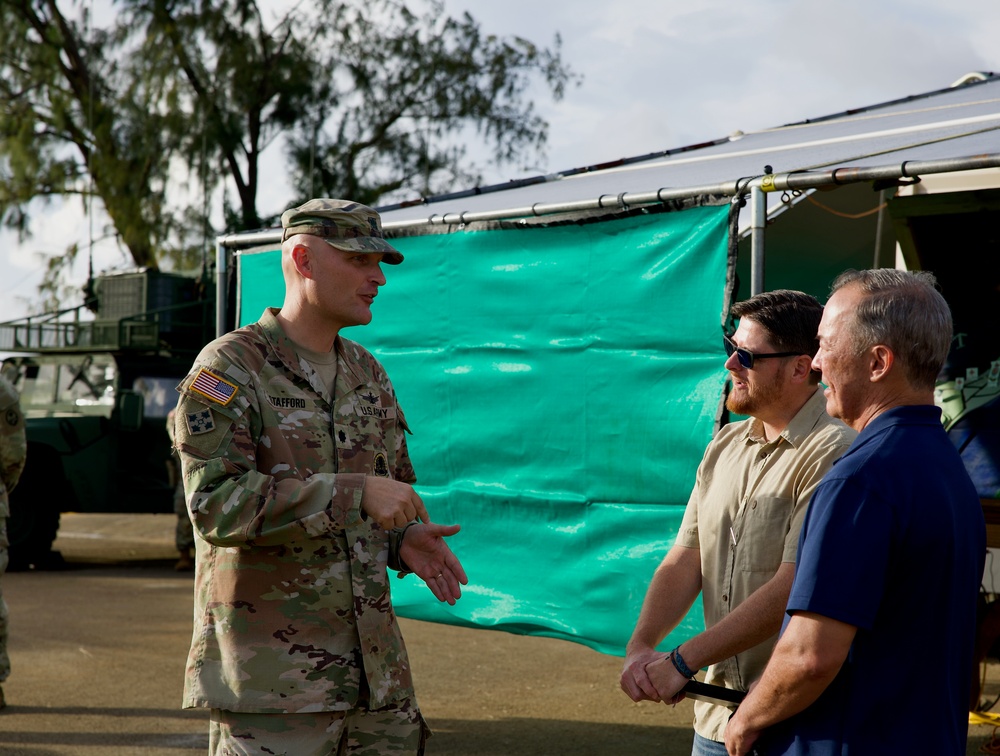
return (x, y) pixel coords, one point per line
(13, 450)
(299, 485)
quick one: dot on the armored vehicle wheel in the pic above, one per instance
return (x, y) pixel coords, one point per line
(35, 505)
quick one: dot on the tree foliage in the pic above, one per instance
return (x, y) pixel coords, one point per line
(74, 121)
(369, 98)
(403, 89)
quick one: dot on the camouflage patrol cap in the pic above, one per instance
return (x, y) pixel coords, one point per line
(342, 224)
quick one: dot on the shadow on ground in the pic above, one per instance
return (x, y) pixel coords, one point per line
(546, 737)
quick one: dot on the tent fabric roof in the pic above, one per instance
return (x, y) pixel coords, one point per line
(951, 123)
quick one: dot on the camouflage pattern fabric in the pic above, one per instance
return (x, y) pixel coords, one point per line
(395, 729)
(343, 224)
(292, 605)
(13, 443)
(13, 452)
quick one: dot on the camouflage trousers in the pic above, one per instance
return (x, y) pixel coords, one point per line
(4, 558)
(396, 729)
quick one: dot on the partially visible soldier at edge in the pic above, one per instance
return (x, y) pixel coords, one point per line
(299, 485)
(183, 531)
(13, 452)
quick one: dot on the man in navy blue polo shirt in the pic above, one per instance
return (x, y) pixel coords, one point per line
(882, 611)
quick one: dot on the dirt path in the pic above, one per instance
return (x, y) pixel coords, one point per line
(98, 653)
(494, 694)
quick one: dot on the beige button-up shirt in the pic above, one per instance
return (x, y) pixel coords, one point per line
(744, 515)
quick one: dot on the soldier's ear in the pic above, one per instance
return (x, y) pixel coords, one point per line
(302, 260)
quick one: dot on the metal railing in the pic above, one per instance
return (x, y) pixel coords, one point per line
(65, 331)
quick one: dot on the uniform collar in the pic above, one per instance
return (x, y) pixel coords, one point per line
(348, 377)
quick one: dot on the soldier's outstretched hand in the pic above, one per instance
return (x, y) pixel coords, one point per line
(426, 553)
(392, 503)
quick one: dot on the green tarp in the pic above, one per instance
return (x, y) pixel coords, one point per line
(561, 383)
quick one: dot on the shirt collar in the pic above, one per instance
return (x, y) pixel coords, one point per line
(907, 414)
(809, 416)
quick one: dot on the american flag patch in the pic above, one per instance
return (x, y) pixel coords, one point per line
(213, 387)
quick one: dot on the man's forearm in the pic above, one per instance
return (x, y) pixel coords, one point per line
(673, 589)
(805, 661)
(755, 620)
(785, 689)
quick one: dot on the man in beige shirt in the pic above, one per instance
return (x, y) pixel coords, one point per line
(737, 542)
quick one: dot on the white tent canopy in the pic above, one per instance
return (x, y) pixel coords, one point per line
(953, 129)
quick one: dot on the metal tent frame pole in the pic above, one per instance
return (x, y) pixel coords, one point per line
(776, 182)
(757, 187)
(758, 221)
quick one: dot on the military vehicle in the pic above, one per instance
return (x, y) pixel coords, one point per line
(96, 384)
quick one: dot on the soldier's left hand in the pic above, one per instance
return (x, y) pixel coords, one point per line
(425, 552)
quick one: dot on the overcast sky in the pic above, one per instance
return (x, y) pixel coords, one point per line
(660, 74)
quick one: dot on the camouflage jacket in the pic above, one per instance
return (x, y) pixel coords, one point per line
(292, 599)
(13, 444)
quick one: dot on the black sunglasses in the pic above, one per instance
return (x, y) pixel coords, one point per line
(746, 357)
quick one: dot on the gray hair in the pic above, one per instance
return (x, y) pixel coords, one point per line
(904, 311)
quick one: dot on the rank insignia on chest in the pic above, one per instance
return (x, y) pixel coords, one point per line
(212, 387)
(380, 465)
(200, 422)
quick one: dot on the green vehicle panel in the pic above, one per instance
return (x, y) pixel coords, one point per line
(95, 394)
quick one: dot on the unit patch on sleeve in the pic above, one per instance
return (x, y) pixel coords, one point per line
(200, 422)
(211, 386)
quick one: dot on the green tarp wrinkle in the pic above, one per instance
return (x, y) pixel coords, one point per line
(561, 383)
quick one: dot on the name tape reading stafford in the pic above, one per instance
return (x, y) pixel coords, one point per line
(294, 402)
